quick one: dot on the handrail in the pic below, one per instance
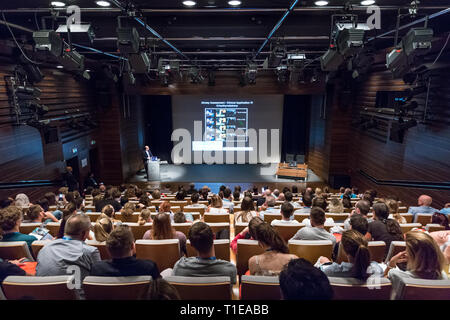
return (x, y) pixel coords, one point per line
(29, 184)
(408, 183)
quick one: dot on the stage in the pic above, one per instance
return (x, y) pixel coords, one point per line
(245, 175)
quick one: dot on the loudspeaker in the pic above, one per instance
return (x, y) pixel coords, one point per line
(339, 180)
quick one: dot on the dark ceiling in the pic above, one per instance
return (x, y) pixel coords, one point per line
(213, 33)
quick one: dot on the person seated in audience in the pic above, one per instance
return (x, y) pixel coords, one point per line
(316, 231)
(346, 202)
(368, 197)
(359, 223)
(109, 198)
(247, 211)
(120, 245)
(227, 200)
(319, 202)
(355, 192)
(205, 264)
(102, 228)
(362, 207)
(127, 212)
(393, 211)
(236, 195)
(163, 230)
(281, 197)
(161, 290)
(277, 255)
(359, 266)
(180, 195)
(300, 280)
(263, 199)
(335, 206)
(166, 208)
(269, 207)
(289, 198)
(442, 239)
(382, 228)
(36, 214)
(191, 189)
(276, 193)
(287, 215)
(108, 210)
(446, 209)
(145, 216)
(71, 250)
(144, 201)
(22, 201)
(195, 197)
(248, 233)
(424, 206)
(216, 205)
(349, 193)
(68, 211)
(440, 219)
(204, 193)
(341, 190)
(423, 260)
(10, 220)
(179, 217)
(156, 195)
(11, 268)
(307, 202)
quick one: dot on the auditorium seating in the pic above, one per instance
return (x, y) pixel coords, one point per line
(354, 289)
(269, 217)
(39, 288)
(201, 288)
(395, 248)
(101, 246)
(221, 248)
(216, 217)
(138, 230)
(165, 253)
(199, 210)
(182, 227)
(116, 288)
(27, 228)
(93, 216)
(180, 204)
(53, 228)
(431, 227)
(36, 246)
(245, 250)
(409, 226)
(408, 216)
(287, 231)
(421, 289)
(238, 227)
(260, 288)
(376, 249)
(423, 218)
(301, 216)
(133, 218)
(337, 217)
(219, 226)
(311, 250)
(14, 250)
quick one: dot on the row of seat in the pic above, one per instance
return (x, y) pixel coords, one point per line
(211, 288)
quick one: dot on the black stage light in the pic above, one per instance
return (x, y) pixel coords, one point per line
(251, 72)
(48, 40)
(79, 33)
(34, 74)
(397, 62)
(349, 41)
(140, 62)
(331, 60)
(417, 41)
(72, 60)
(282, 73)
(277, 55)
(195, 75)
(128, 40)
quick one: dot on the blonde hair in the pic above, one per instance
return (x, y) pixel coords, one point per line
(318, 192)
(216, 201)
(128, 210)
(336, 206)
(393, 209)
(144, 217)
(425, 259)
(102, 228)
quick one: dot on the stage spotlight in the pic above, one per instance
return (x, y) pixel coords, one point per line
(417, 41)
(72, 60)
(164, 69)
(331, 60)
(251, 72)
(48, 40)
(277, 55)
(140, 62)
(127, 40)
(195, 75)
(283, 73)
(80, 33)
(349, 41)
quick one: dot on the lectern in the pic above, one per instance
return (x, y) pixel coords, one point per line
(153, 170)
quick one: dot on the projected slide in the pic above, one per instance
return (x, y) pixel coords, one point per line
(219, 120)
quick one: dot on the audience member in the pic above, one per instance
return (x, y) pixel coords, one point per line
(68, 211)
(446, 209)
(316, 231)
(102, 228)
(227, 200)
(300, 280)
(10, 268)
(205, 264)
(22, 201)
(335, 206)
(424, 206)
(162, 229)
(71, 250)
(10, 220)
(191, 189)
(195, 197)
(145, 216)
(271, 262)
(423, 260)
(247, 211)
(109, 198)
(287, 215)
(382, 228)
(121, 247)
(289, 198)
(359, 223)
(359, 266)
(442, 239)
(440, 219)
(161, 290)
(216, 205)
(248, 232)
(362, 207)
(36, 214)
(127, 212)
(307, 202)
(393, 211)
(108, 210)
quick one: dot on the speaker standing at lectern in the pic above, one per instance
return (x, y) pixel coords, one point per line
(146, 156)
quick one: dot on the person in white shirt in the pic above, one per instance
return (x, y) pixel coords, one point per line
(247, 211)
(289, 196)
(194, 199)
(216, 205)
(268, 207)
(287, 211)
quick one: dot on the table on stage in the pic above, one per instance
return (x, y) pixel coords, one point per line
(299, 171)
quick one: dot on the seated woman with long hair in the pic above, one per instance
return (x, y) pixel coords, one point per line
(144, 217)
(271, 262)
(247, 211)
(109, 211)
(424, 260)
(248, 233)
(358, 266)
(102, 228)
(162, 230)
(127, 212)
(216, 205)
(166, 208)
(392, 205)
